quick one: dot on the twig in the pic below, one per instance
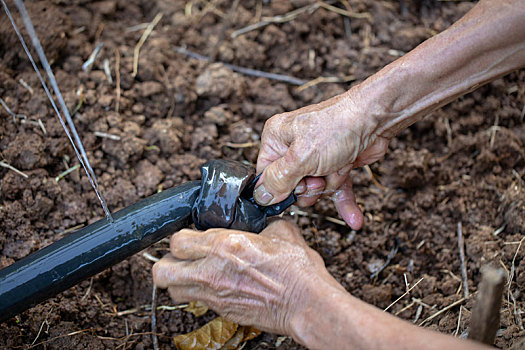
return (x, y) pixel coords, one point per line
(141, 42)
(517, 317)
(154, 318)
(226, 23)
(70, 229)
(389, 258)
(10, 167)
(449, 132)
(374, 180)
(493, 133)
(147, 308)
(362, 15)
(124, 337)
(499, 229)
(276, 19)
(117, 78)
(241, 145)
(485, 318)
(80, 94)
(418, 313)
(137, 27)
(40, 330)
(86, 67)
(403, 295)
(296, 210)
(320, 80)
(88, 290)
(244, 70)
(258, 11)
(99, 31)
(42, 126)
(58, 337)
(67, 172)
(26, 85)
(442, 311)
(418, 301)
(171, 308)
(150, 257)
(106, 135)
(107, 71)
(405, 308)
(459, 321)
(461, 247)
(11, 113)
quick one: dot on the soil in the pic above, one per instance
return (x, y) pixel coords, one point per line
(463, 163)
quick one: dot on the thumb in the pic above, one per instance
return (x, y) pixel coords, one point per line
(279, 179)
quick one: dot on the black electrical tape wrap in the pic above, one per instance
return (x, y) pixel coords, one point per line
(224, 202)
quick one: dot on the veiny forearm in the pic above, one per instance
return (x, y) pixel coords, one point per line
(488, 42)
(336, 320)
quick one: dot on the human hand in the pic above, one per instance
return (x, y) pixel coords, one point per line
(260, 280)
(312, 151)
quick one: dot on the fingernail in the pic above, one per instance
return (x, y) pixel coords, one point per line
(353, 220)
(262, 196)
(300, 189)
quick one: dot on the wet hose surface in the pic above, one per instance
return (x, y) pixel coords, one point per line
(223, 198)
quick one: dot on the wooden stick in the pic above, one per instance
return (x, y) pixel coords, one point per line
(485, 319)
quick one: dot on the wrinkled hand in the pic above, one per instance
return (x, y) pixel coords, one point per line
(259, 280)
(313, 149)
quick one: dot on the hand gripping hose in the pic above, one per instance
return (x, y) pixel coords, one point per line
(223, 198)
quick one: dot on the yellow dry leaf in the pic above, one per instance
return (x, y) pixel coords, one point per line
(250, 333)
(234, 342)
(212, 335)
(197, 308)
(243, 334)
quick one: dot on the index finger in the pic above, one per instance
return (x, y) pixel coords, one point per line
(189, 244)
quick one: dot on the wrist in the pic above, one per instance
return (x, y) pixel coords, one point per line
(318, 314)
(485, 44)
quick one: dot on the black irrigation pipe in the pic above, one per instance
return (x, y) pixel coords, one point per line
(223, 198)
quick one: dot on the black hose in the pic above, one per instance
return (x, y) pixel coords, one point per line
(94, 248)
(223, 198)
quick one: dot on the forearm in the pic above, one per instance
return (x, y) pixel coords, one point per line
(336, 320)
(485, 44)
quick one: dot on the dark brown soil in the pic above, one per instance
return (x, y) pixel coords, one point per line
(464, 163)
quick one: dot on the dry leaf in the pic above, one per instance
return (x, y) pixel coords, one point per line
(212, 335)
(243, 334)
(250, 332)
(197, 308)
(234, 342)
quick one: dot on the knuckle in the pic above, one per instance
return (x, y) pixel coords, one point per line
(158, 275)
(176, 246)
(234, 243)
